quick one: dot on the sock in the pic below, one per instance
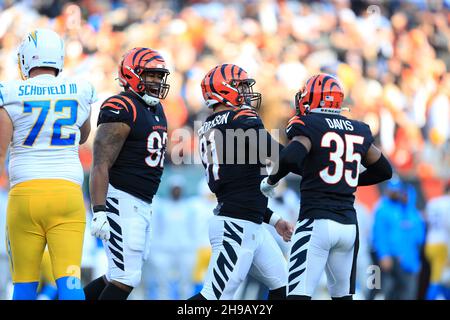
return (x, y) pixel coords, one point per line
(48, 292)
(198, 296)
(349, 297)
(69, 288)
(94, 289)
(446, 292)
(198, 287)
(113, 292)
(25, 291)
(277, 294)
(434, 289)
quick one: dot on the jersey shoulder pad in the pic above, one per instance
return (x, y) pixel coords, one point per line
(297, 126)
(118, 108)
(246, 118)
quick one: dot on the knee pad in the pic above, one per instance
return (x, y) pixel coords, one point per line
(131, 279)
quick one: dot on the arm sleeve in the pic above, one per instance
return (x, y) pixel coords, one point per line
(267, 215)
(376, 173)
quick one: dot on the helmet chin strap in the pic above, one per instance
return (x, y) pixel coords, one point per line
(151, 101)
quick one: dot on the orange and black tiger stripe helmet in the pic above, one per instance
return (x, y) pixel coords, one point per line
(230, 85)
(322, 92)
(140, 60)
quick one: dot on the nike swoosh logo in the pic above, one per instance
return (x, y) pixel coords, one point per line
(115, 111)
(289, 129)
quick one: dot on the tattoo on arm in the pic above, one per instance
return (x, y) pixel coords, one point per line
(108, 142)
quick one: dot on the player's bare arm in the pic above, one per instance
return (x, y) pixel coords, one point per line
(85, 130)
(378, 168)
(6, 132)
(108, 142)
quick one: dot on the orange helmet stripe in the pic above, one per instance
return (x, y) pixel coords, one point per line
(234, 73)
(139, 53)
(325, 84)
(155, 56)
(141, 58)
(228, 74)
(311, 87)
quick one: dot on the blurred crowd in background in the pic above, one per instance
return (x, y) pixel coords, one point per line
(392, 58)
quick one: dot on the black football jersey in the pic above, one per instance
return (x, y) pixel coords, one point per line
(231, 143)
(139, 165)
(331, 169)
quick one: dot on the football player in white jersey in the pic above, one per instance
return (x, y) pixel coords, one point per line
(438, 236)
(43, 120)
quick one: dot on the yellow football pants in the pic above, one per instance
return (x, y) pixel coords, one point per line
(201, 266)
(46, 270)
(44, 212)
(436, 254)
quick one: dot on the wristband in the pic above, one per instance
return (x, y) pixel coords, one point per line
(99, 207)
(274, 219)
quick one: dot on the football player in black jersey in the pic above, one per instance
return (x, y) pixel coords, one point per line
(328, 149)
(128, 163)
(233, 145)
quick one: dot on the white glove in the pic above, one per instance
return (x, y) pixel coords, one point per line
(267, 189)
(100, 226)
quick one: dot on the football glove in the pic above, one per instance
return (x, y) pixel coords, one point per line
(100, 226)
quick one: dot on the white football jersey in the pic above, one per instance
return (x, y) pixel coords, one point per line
(438, 218)
(47, 113)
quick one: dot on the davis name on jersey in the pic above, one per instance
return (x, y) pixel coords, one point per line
(331, 170)
(47, 113)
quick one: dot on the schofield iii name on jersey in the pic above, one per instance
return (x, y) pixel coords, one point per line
(219, 119)
(33, 90)
(340, 124)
